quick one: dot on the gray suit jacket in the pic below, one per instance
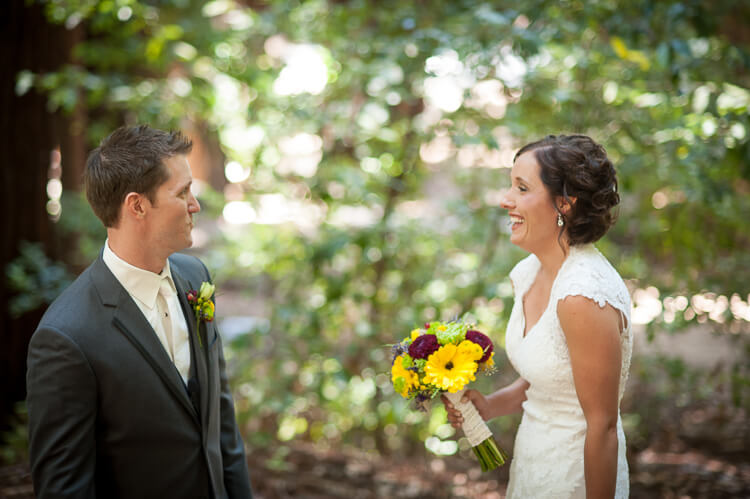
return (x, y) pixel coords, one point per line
(109, 414)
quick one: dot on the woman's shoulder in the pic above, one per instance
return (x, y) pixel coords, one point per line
(524, 272)
(586, 272)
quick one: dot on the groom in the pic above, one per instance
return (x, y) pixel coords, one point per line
(127, 394)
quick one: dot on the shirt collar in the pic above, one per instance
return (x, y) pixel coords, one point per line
(139, 283)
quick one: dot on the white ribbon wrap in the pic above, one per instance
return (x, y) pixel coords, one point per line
(474, 427)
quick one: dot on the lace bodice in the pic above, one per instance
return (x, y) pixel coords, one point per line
(548, 455)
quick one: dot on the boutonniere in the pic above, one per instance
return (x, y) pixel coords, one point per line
(202, 305)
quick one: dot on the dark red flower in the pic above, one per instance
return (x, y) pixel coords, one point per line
(482, 340)
(423, 346)
(192, 295)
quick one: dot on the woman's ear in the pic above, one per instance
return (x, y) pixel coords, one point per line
(565, 205)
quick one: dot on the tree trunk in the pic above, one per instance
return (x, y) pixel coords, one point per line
(29, 136)
(206, 158)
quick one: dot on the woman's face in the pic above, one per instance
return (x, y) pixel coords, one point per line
(531, 209)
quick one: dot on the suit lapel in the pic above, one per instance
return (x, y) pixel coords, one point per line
(198, 348)
(129, 320)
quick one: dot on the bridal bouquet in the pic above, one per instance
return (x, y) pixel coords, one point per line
(443, 357)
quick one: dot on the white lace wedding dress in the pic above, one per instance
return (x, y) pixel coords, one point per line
(548, 453)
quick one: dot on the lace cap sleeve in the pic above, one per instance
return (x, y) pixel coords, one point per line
(522, 275)
(587, 273)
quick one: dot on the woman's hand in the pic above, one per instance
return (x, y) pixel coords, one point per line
(505, 401)
(455, 417)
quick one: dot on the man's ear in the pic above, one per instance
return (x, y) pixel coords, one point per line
(135, 205)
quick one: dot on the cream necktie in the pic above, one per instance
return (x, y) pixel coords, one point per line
(165, 291)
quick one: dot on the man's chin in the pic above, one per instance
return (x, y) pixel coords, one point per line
(188, 243)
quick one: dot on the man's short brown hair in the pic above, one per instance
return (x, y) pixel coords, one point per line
(131, 159)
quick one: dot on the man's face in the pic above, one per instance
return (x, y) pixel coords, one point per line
(171, 213)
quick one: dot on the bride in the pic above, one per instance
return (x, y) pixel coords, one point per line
(569, 332)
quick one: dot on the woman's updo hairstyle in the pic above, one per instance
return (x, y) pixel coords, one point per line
(574, 166)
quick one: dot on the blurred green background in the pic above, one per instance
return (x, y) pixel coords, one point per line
(350, 157)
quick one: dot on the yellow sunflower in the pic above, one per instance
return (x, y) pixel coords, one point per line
(403, 379)
(413, 335)
(490, 362)
(488, 366)
(452, 366)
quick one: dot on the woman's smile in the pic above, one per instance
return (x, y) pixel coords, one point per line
(516, 221)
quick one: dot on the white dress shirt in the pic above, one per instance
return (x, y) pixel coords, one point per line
(143, 286)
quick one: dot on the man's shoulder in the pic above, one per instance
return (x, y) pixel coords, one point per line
(188, 266)
(185, 260)
(75, 305)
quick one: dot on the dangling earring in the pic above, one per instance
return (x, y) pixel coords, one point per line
(560, 220)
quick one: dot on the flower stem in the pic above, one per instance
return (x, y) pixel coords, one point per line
(490, 456)
(198, 327)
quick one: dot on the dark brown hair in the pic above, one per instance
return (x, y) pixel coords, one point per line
(574, 166)
(129, 160)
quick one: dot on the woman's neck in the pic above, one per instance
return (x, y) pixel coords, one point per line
(551, 258)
